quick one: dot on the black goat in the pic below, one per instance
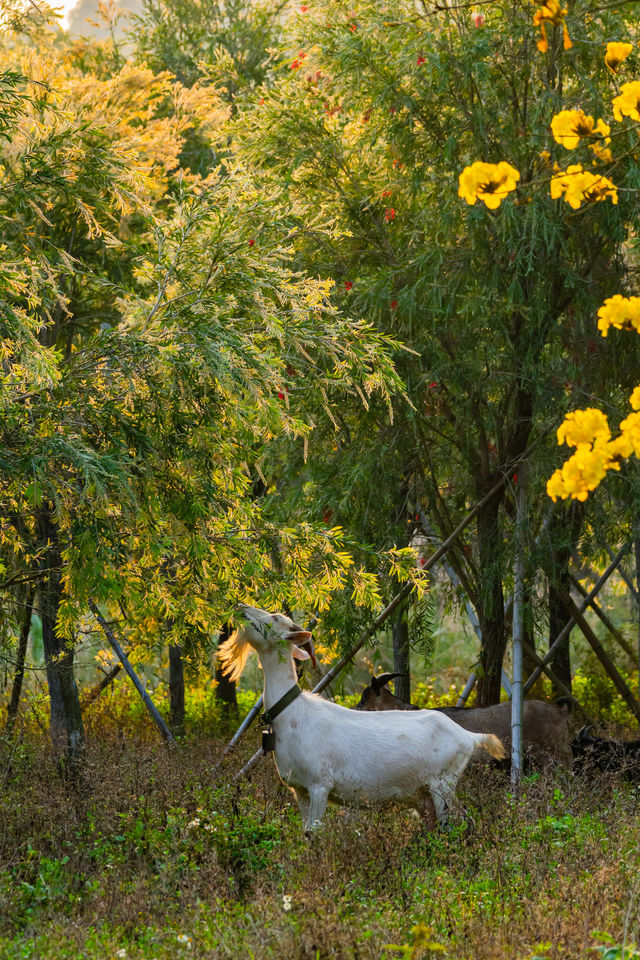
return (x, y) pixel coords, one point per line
(610, 756)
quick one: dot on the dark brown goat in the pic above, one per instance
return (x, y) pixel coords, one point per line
(545, 726)
(610, 756)
(377, 697)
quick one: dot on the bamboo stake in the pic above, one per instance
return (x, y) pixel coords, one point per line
(600, 652)
(380, 619)
(517, 634)
(571, 622)
(124, 660)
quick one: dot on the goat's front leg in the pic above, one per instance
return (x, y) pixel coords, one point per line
(318, 799)
(303, 804)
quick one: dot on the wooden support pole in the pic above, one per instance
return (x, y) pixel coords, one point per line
(384, 615)
(597, 609)
(595, 590)
(124, 660)
(625, 576)
(600, 652)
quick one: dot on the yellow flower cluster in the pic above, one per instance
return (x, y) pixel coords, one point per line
(596, 453)
(621, 312)
(489, 182)
(616, 53)
(570, 126)
(627, 104)
(550, 12)
(580, 186)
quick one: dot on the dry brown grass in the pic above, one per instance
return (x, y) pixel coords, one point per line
(116, 862)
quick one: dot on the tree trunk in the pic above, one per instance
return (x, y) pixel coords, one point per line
(66, 727)
(16, 689)
(401, 656)
(176, 689)
(225, 688)
(491, 607)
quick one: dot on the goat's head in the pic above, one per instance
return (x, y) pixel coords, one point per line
(377, 697)
(264, 631)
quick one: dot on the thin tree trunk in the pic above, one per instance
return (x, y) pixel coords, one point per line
(225, 688)
(401, 656)
(566, 526)
(16, 689)
(491, 609)
(176, 689)
(67, 732)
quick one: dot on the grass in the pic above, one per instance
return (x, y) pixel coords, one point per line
(156, 854)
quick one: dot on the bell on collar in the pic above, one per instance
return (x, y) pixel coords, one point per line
(268, 741)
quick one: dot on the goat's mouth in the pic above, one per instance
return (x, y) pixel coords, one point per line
(308, 647)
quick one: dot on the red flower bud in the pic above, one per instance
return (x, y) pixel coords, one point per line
(389, 214)
(420, 60)
(347, 285)
(394, 304)
(251, 242)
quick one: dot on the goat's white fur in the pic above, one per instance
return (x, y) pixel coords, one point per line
(326, 752)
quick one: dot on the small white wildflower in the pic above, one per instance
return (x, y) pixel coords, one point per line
(193, 823)
(208, 826)
(122, 952)
(184, 940)
(286, 902)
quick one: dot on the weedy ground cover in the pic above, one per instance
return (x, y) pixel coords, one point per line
(153, 853)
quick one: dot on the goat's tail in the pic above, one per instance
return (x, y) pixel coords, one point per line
(491, 743)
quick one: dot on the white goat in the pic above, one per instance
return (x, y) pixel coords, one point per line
(326, 752)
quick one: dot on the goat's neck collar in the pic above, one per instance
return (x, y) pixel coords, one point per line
(279, 676)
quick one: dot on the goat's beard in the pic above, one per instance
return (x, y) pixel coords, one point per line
(233, 654)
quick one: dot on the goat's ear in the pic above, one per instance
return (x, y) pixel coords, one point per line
(585, 732)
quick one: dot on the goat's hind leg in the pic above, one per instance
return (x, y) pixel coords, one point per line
(427, 810)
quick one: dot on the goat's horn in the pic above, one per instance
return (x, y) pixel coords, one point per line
(379, 682)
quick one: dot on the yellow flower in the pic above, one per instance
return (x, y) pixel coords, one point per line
(550, 11)
(584, 427)
(620, 312)
(629, 440)
(583, 471)
(616, 53)
(489, 182)
(580, 186)
(569, 126)
(634, 399)
(602, 154)
(627, 104)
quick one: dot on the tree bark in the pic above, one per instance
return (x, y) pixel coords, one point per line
(18, 678)
(491, 607)
(67, 732)
(401, 656)
(176, 689)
